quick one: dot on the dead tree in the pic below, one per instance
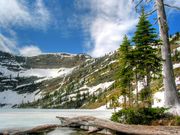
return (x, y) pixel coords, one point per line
(93, 125)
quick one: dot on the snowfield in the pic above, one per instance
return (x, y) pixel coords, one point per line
(7, 72)
(11, 97)
(48, 73)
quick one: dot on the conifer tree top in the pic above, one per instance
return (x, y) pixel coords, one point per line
(145, 34)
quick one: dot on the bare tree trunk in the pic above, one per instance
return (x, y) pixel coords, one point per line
(137, 97)
(129, 88)
(148, 81)
(125, 101)
(171, 96)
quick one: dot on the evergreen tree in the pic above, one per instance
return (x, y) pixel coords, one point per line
(125, 71)
(145, 52)
(171, 93)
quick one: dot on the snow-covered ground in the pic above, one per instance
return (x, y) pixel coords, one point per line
(158, 96)
(7, 72)
(158, 99)
(104, 107)
(141, 85)
(101, 86)
(177, 65)
(91, 90)
(48, 73)
(159, 102)
(23, 85)
(114, 61)
(63, 55)
(177, 80)
(11, 97)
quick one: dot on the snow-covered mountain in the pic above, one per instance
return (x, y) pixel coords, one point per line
(21, 78)
(88, 80)
(69, 80)
(54, 80)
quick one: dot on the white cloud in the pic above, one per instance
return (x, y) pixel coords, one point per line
(107, 35)
(18, 13)
(30, 51)
(107, 23)
(9, 45)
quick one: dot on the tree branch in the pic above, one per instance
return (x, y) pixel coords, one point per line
(140, 1)
(151, 12)
(148, 1)
(155, 21)
(170, 6)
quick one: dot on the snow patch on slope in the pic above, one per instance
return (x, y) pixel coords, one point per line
(63, 55)
(49, 73)
(177, 65)
(6, 72)
(158, 99)
(159, 96)
(11, 97)
(102, 86)
(91, 90)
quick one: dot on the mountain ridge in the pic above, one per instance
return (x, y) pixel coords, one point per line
(69, 82)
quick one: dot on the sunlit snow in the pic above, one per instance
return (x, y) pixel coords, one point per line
(11, 98)
(49, 73)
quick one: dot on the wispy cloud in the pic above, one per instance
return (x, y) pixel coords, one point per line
(173, 3)
(106, 24)
(30, 50)
(18, 13)
(7, 44)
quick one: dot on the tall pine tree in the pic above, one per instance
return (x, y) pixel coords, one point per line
(145, 53)
(125, 71)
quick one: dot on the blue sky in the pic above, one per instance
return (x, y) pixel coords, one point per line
(95, 27)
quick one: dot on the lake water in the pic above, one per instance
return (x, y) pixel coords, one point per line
(28, 118)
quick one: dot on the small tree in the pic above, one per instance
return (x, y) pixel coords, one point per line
(125, 71)
(115, 102)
